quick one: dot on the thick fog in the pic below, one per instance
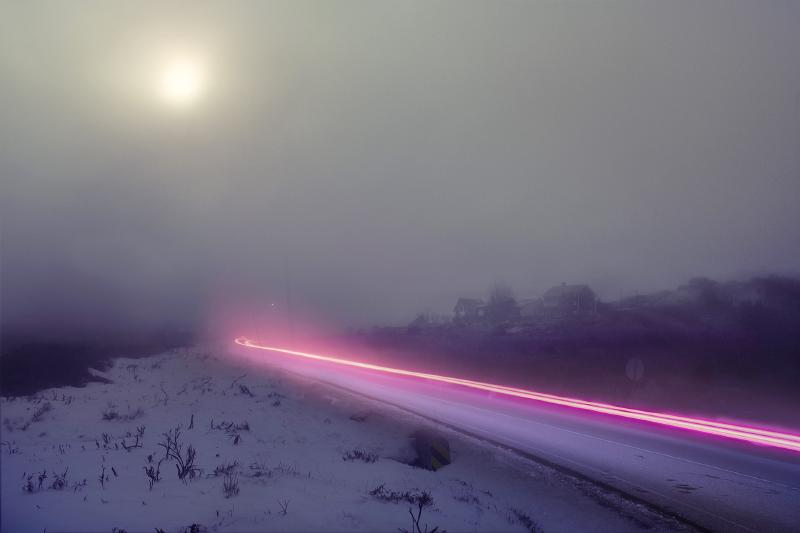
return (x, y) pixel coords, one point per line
(375, 159)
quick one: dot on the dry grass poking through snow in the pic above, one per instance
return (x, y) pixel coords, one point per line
(190, 439)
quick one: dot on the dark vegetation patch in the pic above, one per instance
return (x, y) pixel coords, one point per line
(361, 417)
(261, 470)
(276, 398)
(28, 365)
(413, 496)
(358, 454)
(525, 520)
(36, 481)
(111, 413)
(232, 429)
(226, 469)
(29, 368)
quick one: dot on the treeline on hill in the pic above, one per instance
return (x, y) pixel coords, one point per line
(722, 348)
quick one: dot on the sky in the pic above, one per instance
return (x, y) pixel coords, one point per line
(375, 159)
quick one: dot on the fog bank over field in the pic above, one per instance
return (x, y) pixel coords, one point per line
(377, 159)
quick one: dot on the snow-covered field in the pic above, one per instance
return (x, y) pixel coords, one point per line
(295, 456)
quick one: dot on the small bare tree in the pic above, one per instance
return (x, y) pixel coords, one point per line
(284, 505)
(153, 473)
(424, 500)
(184, 463)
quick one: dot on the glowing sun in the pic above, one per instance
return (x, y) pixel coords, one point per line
(182, 82)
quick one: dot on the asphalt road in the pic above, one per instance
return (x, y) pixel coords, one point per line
(716, 483)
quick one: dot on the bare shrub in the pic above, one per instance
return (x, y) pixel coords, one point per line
(526, 520)
(11, 447)
(35, 482)
(226, 469)
(103, 477)
(111, 414)
(236, 380)
(423, 500)
(284, 505)
(230, 485)
(184, 462)
(164, 392)
(358, 454)
(467, 497)
(276, 398)
(258, 470)
(170, 441)
(204, 384)
(37, 416)
(129, 447)
(43, 409)
(411, 496)
(186, 466)
(231, 429)
(59, 480)
(153, 473)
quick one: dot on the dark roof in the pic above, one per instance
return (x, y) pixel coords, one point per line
(566, 291)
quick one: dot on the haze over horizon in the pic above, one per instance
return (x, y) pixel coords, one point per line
(385, 158)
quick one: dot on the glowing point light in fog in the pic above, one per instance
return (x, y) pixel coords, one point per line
(743, 433)
(181, 82)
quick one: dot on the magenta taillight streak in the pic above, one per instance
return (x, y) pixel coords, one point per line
(711, 427)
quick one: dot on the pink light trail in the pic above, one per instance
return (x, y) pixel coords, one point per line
(753, 435)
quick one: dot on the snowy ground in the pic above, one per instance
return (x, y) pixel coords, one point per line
(283, 443)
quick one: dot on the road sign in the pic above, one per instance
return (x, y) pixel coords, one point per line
(634, 369)
(433, 450)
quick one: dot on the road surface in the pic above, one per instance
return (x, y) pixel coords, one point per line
(716, 483)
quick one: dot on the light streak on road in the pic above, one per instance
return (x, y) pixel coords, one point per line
(752, 435)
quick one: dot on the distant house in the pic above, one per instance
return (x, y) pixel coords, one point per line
(569, 299)
(530, 307)
(469, 310)
(427, 320)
